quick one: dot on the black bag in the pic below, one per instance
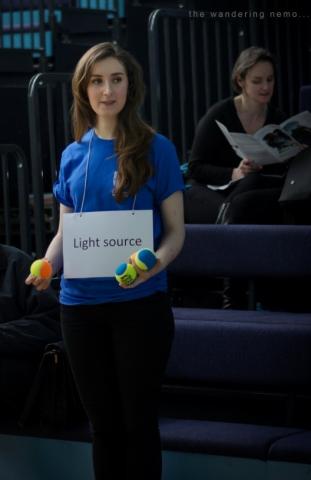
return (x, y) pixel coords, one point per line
(53, 400)
(297, 185)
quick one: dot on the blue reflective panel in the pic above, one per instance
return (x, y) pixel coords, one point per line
(17, 40)
(48, 43)
(27, 40)
(7, 39)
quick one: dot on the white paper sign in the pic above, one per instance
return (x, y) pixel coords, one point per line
(95, 243)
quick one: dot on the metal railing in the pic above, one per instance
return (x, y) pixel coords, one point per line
(189, 66)
(49, 100)
(15, 217)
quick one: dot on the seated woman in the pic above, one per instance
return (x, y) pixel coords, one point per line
(28, 321)
(253, 195)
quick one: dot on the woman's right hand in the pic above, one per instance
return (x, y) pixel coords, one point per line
(38, 282)
(245, 167)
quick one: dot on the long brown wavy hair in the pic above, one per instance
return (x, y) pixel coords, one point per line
(133, 135)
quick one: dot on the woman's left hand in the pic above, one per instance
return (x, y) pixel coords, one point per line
(172, 241)
(142, 275)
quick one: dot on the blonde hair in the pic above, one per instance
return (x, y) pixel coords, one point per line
(133, 135)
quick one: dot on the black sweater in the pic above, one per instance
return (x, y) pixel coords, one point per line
(212, 158)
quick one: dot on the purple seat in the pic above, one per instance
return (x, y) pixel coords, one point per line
(292, 448)
(245, 251)
(225, 361)
(221, 438)
(241, 347)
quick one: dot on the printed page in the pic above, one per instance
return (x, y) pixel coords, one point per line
(247, 146)
(299, 127)
(278, 142)
(228, 136)
(269, 145)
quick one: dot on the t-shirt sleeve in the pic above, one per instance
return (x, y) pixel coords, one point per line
(167, 169)
(61, 185)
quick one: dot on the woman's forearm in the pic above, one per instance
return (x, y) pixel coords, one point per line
(54, 253)
(169, 248)
(174, 230)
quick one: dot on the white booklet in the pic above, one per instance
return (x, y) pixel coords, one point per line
(272, 143)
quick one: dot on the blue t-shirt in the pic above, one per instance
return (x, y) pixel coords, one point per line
(102, 171)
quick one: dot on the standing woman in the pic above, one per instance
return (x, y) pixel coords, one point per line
(118, 338)
(253, 195)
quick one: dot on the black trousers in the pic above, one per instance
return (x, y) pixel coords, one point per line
(202, 204)
(253, 200)
(118, 354)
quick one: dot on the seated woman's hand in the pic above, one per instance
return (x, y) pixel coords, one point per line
(245, 167)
